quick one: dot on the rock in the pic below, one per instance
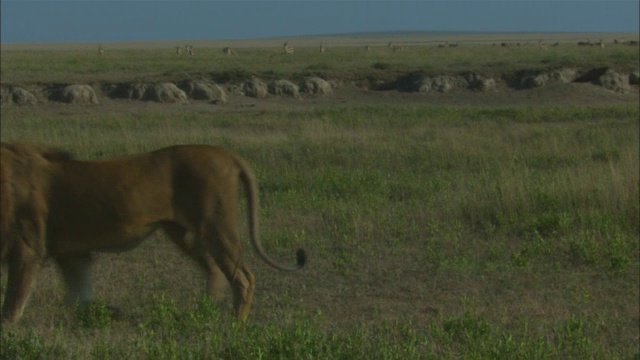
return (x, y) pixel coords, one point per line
(541, 78)
(442, 83)
(167, 93)
(613, 81)
(533, 81)
(235, 89)
(137, 91)
(564, 75)
(255, 87)
(316, 86)
(205, 90)
(163, 92)
(16, 95)
(79, 94)
(284, 87)
(479, 82)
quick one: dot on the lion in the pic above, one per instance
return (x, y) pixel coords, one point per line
(54, 206)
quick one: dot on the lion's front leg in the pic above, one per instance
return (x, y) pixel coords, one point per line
(76, 271)
(22, 270)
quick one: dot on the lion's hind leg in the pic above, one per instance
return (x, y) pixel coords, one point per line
(243, 287)
(216, 281)
(223, 243)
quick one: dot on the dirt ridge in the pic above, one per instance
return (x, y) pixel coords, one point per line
(184, 91)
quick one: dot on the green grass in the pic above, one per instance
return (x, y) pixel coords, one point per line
(346, 63)
(176, 334)
(433, 232)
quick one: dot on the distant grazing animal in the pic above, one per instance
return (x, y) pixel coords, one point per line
(625, 42)
(394, 47)
(288, 49)
(54, 206)
(542, 45)
(229, 51)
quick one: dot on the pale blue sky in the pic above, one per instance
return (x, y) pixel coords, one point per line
(109, 20)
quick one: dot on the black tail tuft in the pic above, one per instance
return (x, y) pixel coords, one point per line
(301, 255)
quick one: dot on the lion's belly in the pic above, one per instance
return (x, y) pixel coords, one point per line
(105, 221)
(116, 239)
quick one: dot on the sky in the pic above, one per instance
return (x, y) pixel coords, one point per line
(28, 21)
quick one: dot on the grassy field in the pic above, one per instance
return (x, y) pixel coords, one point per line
(343, 62)
(433, 232)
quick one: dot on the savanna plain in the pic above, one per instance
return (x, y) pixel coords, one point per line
(496, 224)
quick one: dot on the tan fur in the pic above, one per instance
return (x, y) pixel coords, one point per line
(53, 206)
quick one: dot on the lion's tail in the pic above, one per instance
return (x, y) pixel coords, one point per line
(251, 189)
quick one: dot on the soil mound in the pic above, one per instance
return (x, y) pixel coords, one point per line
(255, 87)
(16, 95)
(204, 90)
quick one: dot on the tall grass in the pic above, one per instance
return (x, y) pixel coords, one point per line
(195, 334)
(433, 233)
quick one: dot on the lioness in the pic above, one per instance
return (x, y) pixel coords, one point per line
(51, 205)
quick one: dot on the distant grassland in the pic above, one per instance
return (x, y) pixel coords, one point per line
(434, 232)
(343, 62)
(515, 230)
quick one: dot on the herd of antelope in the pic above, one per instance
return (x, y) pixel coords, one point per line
(189, 49)
(289, 50)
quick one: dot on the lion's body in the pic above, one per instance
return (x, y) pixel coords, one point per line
(68, 209)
